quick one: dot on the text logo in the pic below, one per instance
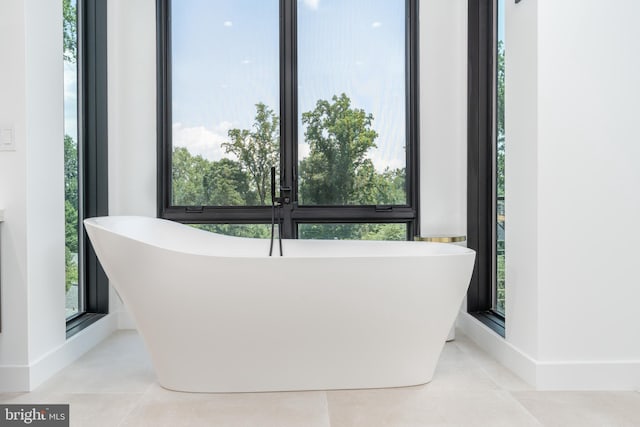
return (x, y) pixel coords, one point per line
(34, 415)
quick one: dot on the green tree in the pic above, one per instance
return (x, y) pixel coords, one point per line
(226, 184)
(70, 48)
(500, 119)
(70, 171)
(257, 149)
(337, 170)
(201, 182)
(187, 178)
(69, 31)
(71, 210)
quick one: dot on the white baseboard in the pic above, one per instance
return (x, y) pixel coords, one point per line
(509, 356)
(23, 378)
(554, 375)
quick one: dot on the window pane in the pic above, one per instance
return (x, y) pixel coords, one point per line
(70, 40)
(351, 99)
(353, 231)
(225, 101)
(261, 231)
(499, 303)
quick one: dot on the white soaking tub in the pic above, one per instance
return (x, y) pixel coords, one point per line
(217, 314)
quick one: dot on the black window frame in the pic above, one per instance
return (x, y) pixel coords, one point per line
(292, 214)
(93, 155)
(481, 197)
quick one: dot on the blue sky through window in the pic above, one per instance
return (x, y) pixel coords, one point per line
(225, 59)
(71, 97)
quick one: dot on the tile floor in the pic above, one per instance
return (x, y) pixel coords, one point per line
(114, 385)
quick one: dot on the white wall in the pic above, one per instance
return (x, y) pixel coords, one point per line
(45, 176)
(132, 115)
(443, 117)
(13, 185)
(32, 342)
(572, 177)
(588, 179)
(521, 186)
(593, 127)
(132, 107)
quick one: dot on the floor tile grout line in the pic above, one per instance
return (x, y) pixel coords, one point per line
(484, 370)
(510, 392)
(478, 365)
(326, 405)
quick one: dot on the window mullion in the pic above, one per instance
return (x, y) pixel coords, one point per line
(288, 110)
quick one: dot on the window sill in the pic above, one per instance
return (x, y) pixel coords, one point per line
(78, 323)
(491, 319)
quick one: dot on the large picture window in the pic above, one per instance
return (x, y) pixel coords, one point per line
(85, 156)
(486, 162)
(325, 91)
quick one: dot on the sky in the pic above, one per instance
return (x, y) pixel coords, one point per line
(71, 97)
(225, 59)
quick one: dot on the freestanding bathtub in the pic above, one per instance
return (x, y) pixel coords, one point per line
(217, 314)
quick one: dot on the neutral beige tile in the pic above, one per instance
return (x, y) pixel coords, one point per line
(118, 364)
(100, 409)
(114, 384)
(160, 407)
(409, 407)
(583, 409)
(8, 397)
(483, 408)
(453, 355)
(458, 376)
(400, 407)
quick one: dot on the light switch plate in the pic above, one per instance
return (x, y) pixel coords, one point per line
(7, 139)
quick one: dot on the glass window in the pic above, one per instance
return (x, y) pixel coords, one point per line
(225, 101)
(499, 292)
(486, 161)
(351, 99)
(73, 302)
(353, 231)
(85, 156)
(262, 231)
(320, 90)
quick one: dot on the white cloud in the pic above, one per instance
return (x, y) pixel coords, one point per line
(246, 61)
(203, 141)
(376, 24)
(382, 160)
(228, 23)
(303, 150)
(312, 4)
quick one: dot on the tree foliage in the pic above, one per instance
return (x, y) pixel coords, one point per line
(257, 149)
(201, 182)
(500, 119)
(337, 171)
(69, 31)
(70, 54)
(71, 210)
